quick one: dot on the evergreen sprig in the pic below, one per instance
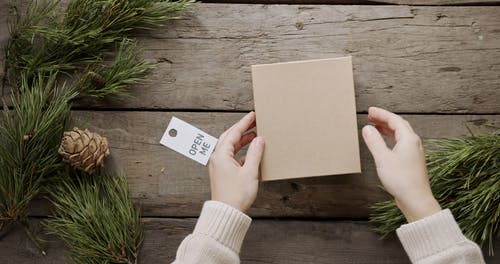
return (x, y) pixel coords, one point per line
(100, 80)
(46, 38)
(465, 177)
(95, 217)
(30, 135)
(86, 45)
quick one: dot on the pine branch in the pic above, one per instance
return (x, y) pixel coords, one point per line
(46, 44)
(95, 217)
(45, 39)
(465, 177)
(50, 43)
(29, 137)
(126, 70)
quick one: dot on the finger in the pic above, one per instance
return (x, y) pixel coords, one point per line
(386, 125)
(375, 142)
(245, 139)
(219, 144)
(254, 155)
(224, 134)
(241, 160)
(386, 131)
(380, 115)
(235, 133)
(397, 124)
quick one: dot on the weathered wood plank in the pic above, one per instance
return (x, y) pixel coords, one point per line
(408, 59)
(17, 248)
(5, 15)
(437, 2)
(165, 183)
(397, 2)
(268, 241)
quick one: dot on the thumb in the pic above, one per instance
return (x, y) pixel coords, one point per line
(375, 142)
(254, 155)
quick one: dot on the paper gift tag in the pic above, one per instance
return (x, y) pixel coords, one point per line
(188, 140)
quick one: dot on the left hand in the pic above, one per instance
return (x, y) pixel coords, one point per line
(236, 182)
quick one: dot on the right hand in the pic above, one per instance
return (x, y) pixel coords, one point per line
(402, 169)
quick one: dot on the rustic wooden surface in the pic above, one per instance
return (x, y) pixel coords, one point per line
(440, 66)
(396, 2)
(268, 241)
(165, 183)
(444, 58)
(5, 15)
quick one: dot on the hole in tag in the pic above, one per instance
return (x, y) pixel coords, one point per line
(172, 132)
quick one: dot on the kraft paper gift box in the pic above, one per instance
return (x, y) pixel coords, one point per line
(306, 114)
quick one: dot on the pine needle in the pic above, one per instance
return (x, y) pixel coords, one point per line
(29, 137)
(49, 43)
(95, 217)
(126, 70)
(465, 177)
(47, 39)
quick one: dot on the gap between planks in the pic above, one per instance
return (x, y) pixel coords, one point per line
(163, 183)
(407, 59)
(155, 110)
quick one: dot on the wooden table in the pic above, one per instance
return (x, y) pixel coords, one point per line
(439, 66)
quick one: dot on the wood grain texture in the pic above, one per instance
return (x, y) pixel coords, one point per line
(396, 2)
(438, 2)
(165, 183)
(407, 59)
(284, 241)
(267, 241)
(5, 16)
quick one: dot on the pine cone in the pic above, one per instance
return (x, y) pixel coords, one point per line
(84, 150)
(96, 79)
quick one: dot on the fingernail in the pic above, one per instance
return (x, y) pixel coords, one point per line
(258, 141)
(368, 131)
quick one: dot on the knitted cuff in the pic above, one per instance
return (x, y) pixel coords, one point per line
(223, 223)
(430, 235)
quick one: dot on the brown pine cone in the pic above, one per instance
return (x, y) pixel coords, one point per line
(96, 79)
(84, 150)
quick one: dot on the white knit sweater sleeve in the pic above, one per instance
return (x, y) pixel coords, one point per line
(220, 231)
(217, 237)
(437, 239)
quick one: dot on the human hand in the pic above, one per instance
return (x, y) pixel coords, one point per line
(402, 169)
(236, 182)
